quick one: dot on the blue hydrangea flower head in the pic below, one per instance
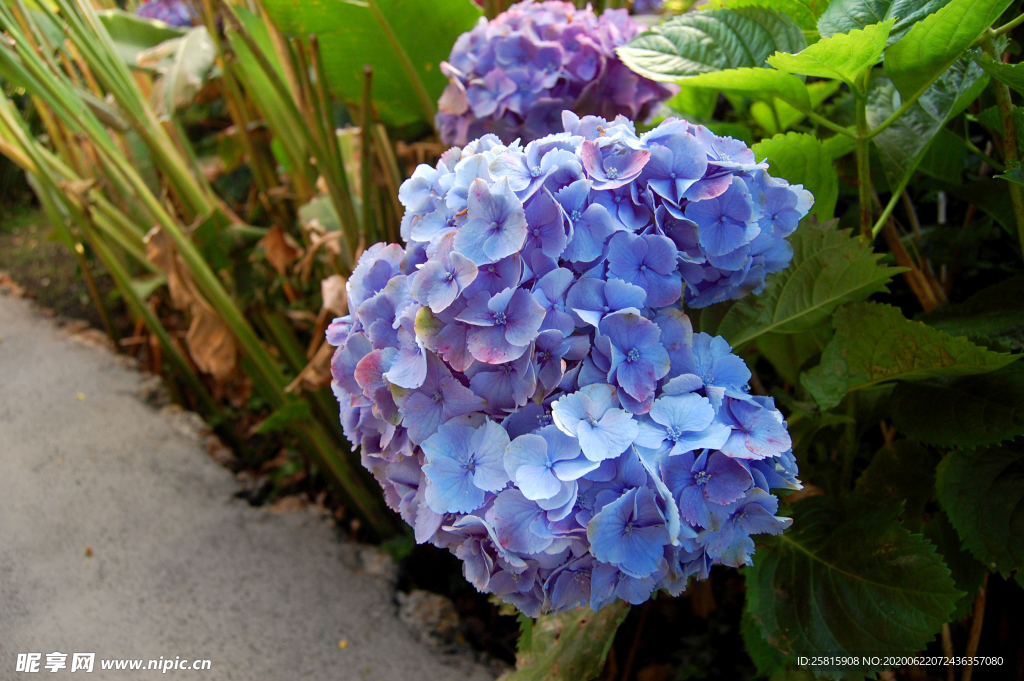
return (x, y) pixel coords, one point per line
(521, 376)
(172, 12)
(513, 76)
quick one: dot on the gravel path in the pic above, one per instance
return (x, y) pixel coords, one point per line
(178, 567)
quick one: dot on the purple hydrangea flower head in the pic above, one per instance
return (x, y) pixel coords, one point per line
(171, 12)
(521, 377)
(514, 75)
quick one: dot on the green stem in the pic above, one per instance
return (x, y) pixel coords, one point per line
(887, 212)
(1007, 27)
(826, 123)
(863, 170)
(366, 158)
(1010, 152)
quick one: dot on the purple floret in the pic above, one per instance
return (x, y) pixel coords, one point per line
(513, 76)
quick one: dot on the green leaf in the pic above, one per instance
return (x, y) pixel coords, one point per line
(994, 315)
(967, 572)
(844, 56)
(570, 646)
(1008, 74)
(902, 146)
(800, 159)
(848, 579)
(903, 472)
(804, 13)
(701, 42)
(828, 269)
(694, 101)
(404, 41)
(876, 344)
(970, 412)
(1014, 175)
(843, 16)
(945, 157)
(281, 418)
(983, 494)
(787, 115)
(790, 353)
(931, 46)
(132, 34)
(757, 83)
(838, 146)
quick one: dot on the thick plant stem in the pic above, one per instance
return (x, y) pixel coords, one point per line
(977, 619)
(1010, 153)
(864, 171)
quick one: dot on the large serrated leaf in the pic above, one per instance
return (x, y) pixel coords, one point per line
(570, 646)
(983, 494)
(848, 579)
(970, 412)
(931, 46)
(901, 473)
(393, 36)
(876, 344)
(902, 146)
(1009, 74)
(967, 572)
(829, 269)
(994, 315)
(801, 159)
(701, 42)
(843, 16)
(844, 56)
(757, 83)
(804, 13)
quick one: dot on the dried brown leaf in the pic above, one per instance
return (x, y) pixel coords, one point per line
(280, 248)
(211, 344)
(334, 294)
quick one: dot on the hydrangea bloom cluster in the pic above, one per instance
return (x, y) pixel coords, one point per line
(171, 12)
(514, 75)
(522, 381)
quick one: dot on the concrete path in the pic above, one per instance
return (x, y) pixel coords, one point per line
(179, 568)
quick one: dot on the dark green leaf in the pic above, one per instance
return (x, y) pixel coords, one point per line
(931, 46)
(844, 56)
(843, 16)
(1010, 74)
(969, 412)
(967, 572)
(983, 494)
(991, 197)
(281, 418)
(1015, 175)
(903, 472)
(848, 579)
(902, 146)
(876, 344)
(701, 42)
(570, 646)
(790, 353)
(994, 315)
(828, 269)
(800, 159)
(945, 157)
(351, 35)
